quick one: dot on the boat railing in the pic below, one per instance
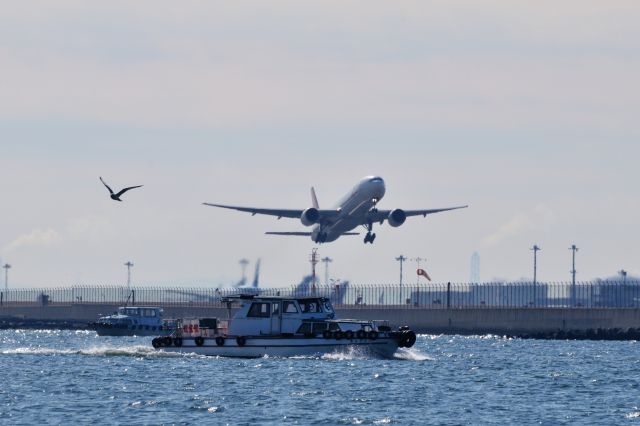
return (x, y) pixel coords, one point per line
(190, 327)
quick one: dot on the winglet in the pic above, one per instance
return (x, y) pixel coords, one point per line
(314, 199)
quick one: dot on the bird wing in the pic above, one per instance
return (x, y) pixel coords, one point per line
(122, 191)
(103, 182)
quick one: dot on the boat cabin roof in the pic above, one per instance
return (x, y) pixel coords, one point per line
(257, 298)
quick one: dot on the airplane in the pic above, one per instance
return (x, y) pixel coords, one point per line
(357, 208)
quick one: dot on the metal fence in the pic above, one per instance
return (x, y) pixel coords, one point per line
(611, 294)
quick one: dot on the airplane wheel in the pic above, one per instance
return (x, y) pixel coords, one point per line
(372, 239)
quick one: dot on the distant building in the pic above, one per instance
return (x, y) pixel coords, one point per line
(474, 276)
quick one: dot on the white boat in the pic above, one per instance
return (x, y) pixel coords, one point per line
(282, 326)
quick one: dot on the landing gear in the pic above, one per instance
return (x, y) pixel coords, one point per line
(321, 238)
(370, 237)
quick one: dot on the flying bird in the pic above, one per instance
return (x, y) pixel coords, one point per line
(116, 196)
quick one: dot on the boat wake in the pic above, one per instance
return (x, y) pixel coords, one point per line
(348, 354)
(411, 354)
(98, 351)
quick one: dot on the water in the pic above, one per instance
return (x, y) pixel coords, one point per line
(51, 377)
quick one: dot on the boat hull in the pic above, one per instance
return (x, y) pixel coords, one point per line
(125, 331)
(256, 347)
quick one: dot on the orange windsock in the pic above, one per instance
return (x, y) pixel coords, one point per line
(424, 274)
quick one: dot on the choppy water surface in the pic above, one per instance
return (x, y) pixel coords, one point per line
(60, 376)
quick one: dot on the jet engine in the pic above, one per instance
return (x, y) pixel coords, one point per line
(396, 217)
(310, 216)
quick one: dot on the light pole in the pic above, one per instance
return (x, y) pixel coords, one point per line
(326, 260)
(574, 249)
(418, 260)
(314, 260)
(129, 265)
(401, 259)
(535, 249)
(6, 276)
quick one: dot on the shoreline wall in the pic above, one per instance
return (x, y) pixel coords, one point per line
(421, 320)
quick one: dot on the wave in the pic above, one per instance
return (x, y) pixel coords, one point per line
(99, 351)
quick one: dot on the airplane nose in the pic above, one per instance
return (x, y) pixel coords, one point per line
(380, 189)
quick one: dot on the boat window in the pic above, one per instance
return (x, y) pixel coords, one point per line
(275, 308)
(319, 327)
(327, 307)
(289, 307)
(309, 306)
(304, 328)
(260, 310)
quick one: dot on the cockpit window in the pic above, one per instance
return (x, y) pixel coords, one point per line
(376, 179)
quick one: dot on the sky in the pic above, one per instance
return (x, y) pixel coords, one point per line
(525, 111)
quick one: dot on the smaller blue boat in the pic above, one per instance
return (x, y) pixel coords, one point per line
(133, 321)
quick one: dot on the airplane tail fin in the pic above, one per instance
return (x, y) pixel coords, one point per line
(256, 276)
(314, 199)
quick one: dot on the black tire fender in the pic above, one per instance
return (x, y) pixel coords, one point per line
(220, 341)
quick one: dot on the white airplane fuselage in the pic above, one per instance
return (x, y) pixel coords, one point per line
(353, 208)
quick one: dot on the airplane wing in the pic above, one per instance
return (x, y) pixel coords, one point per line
(280, 213)
(382, 215)
(304, 234)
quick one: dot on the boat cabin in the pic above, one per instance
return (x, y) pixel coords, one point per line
(278, 315)
(134, 316)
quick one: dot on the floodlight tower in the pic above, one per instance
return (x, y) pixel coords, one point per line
(401, 259)
(6, 276)
(535, 249)
(129, 265)
(418, 260)
(474, 276)
(574, 249)
(314, 261)
(326, 260)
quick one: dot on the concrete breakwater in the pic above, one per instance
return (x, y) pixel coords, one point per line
(563, 323)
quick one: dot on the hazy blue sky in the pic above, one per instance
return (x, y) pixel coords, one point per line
(527, 111)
